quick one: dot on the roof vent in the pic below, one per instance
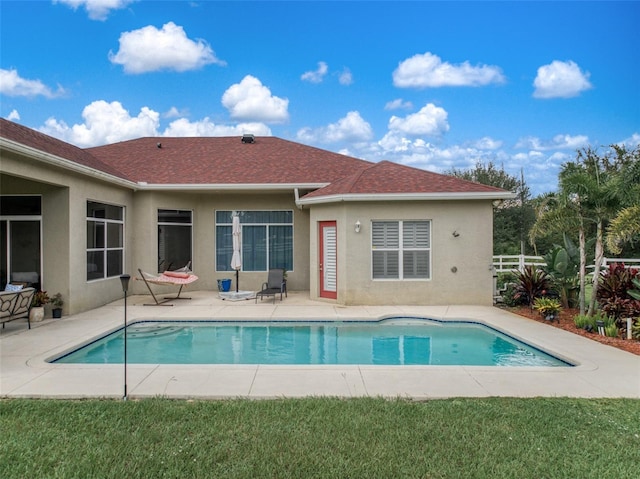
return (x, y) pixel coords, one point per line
(159, 145)
(248, 138)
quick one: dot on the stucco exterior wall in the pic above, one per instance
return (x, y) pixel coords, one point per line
(64, 227)
(204, 206)
(64, 231)
(461, 265)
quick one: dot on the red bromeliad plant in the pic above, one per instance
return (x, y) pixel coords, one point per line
(531, 283)
(613, 292)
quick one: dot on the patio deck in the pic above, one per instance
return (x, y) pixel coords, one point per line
(600, 371)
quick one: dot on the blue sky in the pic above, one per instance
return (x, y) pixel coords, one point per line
(435, 85)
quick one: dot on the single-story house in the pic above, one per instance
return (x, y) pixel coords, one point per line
(346, 230)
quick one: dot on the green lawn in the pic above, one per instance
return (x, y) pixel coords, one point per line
(332, 438)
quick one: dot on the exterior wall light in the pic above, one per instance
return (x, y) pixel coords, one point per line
(357, 227)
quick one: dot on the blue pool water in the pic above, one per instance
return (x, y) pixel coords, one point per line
(401, 341)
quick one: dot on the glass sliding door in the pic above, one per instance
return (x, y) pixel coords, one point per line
(20, 237)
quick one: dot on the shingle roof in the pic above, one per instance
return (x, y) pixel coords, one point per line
(39, 141)
(229, 161)
(225, 160)
(386, 177)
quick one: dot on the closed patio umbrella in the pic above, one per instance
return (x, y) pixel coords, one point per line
(236, 258)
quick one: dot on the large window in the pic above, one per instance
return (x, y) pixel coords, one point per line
(401, 249)
(105, 240)
(174, 239)
(266, 239)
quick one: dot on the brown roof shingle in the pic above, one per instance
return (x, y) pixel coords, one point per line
(229, 161)
(45, 143)
(225, 160)
(387, 177)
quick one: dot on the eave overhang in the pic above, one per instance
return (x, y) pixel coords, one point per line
(459, 196)
(59, 162)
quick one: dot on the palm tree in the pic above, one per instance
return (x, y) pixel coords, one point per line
(588, 195)
(626, 224)
(558, 212)
(623, 228)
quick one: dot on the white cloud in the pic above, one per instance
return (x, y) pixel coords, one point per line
(175, 113)
(487, 143)
(250, 100)
(351, 128)
(206, 127)
(149, 49)
(560, 80)
(556, 143)
(428, 70)
(632, 141)
(105, 123)
(96, 9)
(398, 104)
(316, 76)
(11, 84)
(431, 120)
(13, 115)
(345, 77)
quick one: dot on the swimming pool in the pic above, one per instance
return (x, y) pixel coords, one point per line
(394, 341)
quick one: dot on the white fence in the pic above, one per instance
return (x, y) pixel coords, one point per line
(517, 262)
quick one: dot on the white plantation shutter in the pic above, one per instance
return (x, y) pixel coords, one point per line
(401, 249)
(415, 256)
(385, 234)
(386, 239)
(330, 260)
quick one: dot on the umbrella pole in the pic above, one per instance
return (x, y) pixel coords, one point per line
(237, 275)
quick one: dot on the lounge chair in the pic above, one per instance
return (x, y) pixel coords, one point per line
(179, 277)
(275, 284)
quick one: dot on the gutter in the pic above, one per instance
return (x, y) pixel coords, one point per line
(407, 197)
(274, 187)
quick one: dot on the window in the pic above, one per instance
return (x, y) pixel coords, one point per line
(401, 249)
(267, 240)
(105, 240)
(174, 239)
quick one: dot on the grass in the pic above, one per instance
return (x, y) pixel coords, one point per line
(332, 438)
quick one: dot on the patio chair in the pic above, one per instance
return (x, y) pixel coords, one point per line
(179, 277)
(275, 284)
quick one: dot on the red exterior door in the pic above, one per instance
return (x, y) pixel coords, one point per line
(328, 266)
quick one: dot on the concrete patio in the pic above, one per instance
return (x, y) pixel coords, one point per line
(600, 371)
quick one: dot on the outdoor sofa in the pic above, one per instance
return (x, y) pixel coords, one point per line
(16, 305)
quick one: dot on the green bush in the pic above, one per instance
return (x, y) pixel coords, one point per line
(635, 331)
(589, 323)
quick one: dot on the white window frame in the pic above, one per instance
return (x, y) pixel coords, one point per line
(400, 249)
(106, 248)
(224, 268)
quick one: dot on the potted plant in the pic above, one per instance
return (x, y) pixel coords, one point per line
(36, 313)
(549, 308)
(57, 302)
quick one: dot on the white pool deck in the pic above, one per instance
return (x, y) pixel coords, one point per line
(601, 371)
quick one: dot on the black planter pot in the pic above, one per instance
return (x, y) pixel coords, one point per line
(56, 313)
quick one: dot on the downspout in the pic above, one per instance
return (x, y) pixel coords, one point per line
(296, 193)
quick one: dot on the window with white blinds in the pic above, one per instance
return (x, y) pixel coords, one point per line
(401, 249)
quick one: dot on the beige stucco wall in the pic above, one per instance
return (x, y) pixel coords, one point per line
(64, 199)
(461, 266)
(65, 194)
(204, 205)
(64, 241)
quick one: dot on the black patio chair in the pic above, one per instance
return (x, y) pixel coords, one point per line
(275, 284)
